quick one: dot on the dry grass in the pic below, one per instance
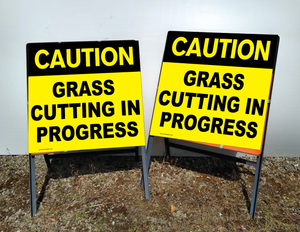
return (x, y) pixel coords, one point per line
(97, 193)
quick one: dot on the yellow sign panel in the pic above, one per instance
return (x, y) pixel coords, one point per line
(100, 106)
(214, 94)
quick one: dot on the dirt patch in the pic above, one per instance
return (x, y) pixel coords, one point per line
(102, 193)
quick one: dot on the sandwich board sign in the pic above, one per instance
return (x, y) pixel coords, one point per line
(215, 89)
(83, 96)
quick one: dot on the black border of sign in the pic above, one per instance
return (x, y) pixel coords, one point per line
(138, 149)
(257, 164)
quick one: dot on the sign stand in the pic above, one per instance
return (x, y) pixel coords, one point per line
(47, 157)
(257, 165)
(215, 88)
(145, 169)
(32, 184)
(256, 185)
(84, 96)
(146, 165)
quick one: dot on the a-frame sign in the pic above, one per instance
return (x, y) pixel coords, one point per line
(215, 88)
(83, 96)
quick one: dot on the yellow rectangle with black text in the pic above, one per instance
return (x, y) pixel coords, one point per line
(85, 111)
(84, 95)
(212, 104)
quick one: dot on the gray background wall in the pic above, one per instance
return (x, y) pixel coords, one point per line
(22, 22)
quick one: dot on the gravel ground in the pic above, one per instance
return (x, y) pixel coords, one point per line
(102, 193)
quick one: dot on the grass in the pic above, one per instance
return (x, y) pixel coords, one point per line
(103, 194)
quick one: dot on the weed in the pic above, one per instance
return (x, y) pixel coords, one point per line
(97, 180)
(156, 163)
(93, 169)
(175, 162)
(82, 215)
(75, 196)
(135, 228)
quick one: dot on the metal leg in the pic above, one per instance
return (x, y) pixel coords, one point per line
(167, 147)
(256, 186)
(145, 173)
(149, 151)
(32, 184)
(148, 156)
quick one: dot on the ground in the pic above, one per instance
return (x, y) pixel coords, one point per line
(103, 193)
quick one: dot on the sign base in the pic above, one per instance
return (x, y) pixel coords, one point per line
(257, 164)
(34, 204)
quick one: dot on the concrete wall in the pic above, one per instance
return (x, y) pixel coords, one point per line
(22, 22)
